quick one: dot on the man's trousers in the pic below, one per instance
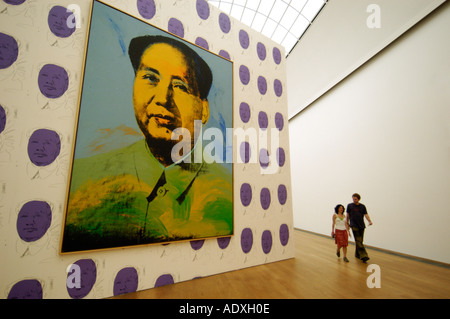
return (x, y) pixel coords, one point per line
(360, 251)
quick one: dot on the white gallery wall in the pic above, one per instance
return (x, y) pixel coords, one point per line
(384, 132)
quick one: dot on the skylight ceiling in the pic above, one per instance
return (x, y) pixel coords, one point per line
(284, 21)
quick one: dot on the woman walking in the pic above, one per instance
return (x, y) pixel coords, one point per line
(340, 231)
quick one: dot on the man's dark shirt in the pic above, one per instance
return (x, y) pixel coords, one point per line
(356, 215)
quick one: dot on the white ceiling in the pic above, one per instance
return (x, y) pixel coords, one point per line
(284, 21)
(342, 39)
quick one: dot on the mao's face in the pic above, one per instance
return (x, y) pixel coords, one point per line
(33, 220)
(9, 50)
(246, 240)
(246, 194)
(53, 81)
(44, 147)
(126, 281)
(58, 19)
(165, 95)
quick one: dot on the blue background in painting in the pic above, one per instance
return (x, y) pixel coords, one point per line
(106, 116)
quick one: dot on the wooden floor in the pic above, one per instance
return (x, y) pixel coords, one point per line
(316, 272)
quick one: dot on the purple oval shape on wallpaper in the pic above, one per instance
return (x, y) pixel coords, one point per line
(266, 241)
(202, 9)
(33, 220)
(57, 22)
(281, 157)
(88, 276)
(284, 234)
(261, 50)
(244, 112)
(176, 27)
(164, 280)
(264, 158)
(202, 43)
(244, 74)
(282, 194)
(223, 242)
(265, 198)
(279, 121)
(197, 244)
(53, 81)
(14, 2)
(278, 87)
(9, 50)
(43, 147)
(146, 8)
(2, 119)
(263, 120)
(224, 23)
(262, 85)
(26, 289)
(246, 194)
(126, 281)
(244, 151)
(246, 240)
(244, 39)
(224, 54)
(276, 55)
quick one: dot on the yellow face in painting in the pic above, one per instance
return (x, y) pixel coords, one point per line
(165, 95)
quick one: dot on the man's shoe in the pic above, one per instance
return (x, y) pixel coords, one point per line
(365, 259)
(345, 259)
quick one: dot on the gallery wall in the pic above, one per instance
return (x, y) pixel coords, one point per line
(33, 194)
(383, 132)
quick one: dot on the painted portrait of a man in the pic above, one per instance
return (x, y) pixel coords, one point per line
(138, 192)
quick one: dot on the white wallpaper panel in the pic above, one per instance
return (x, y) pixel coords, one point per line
(41, 62)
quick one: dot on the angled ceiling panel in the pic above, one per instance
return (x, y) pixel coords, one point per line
(345, 35)
(284, 21)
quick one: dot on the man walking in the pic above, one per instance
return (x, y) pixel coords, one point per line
(355, 214)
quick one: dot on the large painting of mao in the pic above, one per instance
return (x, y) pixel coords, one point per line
(144, 170)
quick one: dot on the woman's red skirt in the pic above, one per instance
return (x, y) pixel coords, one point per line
(341, 238)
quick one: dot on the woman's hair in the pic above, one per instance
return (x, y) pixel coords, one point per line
(336, 209)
